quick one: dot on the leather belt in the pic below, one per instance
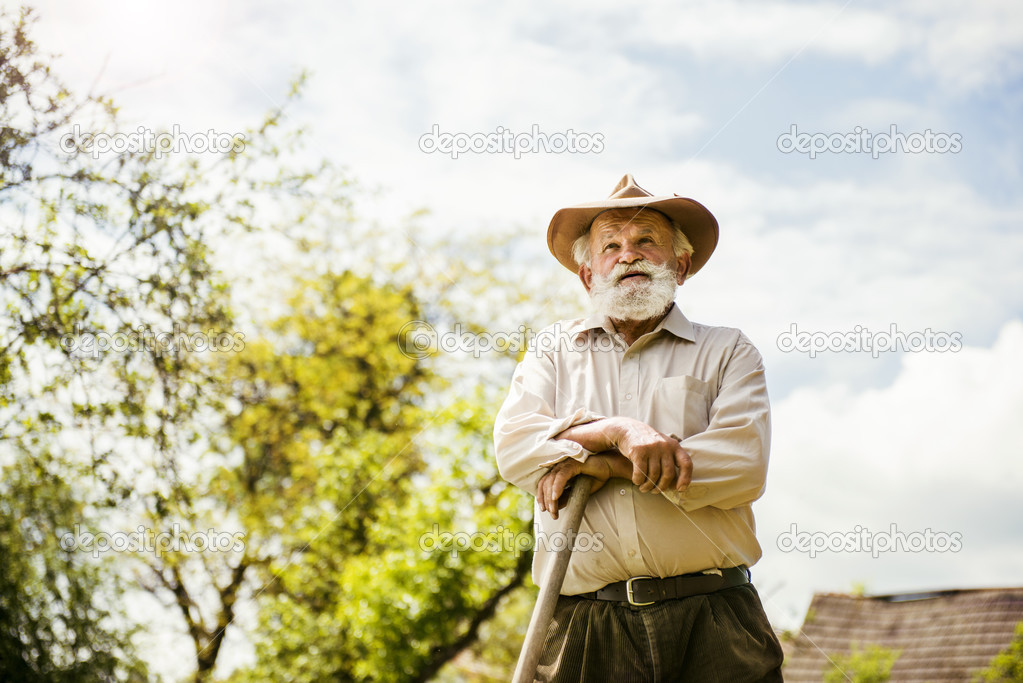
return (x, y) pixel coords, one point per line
(646, 590)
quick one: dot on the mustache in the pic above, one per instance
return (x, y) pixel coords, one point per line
(620, 271)
(640, 301)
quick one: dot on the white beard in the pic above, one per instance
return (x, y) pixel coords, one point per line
(642, 299)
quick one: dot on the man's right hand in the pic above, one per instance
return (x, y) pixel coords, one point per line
(558, 480)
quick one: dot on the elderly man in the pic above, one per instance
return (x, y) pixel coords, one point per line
(671, 419)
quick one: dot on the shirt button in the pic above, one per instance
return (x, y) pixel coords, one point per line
(628, 397)
(621, 492)
(632, 553)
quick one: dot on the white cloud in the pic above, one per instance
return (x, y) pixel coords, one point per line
(966, 45)
(960, 45)
(938, 449)
(771, 31)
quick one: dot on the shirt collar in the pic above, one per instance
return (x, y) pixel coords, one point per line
(675, 322)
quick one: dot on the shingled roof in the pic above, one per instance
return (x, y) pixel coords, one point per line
(943, 635)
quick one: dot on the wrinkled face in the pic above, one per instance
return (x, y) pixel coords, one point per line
(622, 237)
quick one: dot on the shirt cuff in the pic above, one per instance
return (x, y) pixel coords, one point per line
(566, 447)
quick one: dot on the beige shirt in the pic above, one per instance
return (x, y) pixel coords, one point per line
(702, 385)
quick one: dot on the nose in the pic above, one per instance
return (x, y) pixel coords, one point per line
(629, 253)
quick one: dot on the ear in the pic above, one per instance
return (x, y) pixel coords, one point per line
(586, 275)
(684, 264)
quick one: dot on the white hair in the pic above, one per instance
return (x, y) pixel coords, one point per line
(642, 300)
(679, 243)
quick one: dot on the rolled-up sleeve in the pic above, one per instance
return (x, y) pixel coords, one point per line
(730, 456)
(527, 424)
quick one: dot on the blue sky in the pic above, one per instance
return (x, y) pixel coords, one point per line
(692, 98)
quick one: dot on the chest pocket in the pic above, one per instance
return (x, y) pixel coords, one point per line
(681, 406)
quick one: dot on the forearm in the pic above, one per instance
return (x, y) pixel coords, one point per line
(619, 465)
(609, 434)
(658, 461)
(526, 429)
(597, 436)
(608, 465)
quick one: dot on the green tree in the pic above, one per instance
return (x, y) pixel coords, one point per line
(313, 437)
(354, 471)
(111, 248)
(54, 624)
(492, 658)
(51, 626)
(1007, 665)
(872, 664)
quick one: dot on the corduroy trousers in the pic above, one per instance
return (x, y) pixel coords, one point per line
(721, 637)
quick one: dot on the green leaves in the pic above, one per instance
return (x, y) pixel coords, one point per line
(1007, 665)
(314, 436)
(870, 664)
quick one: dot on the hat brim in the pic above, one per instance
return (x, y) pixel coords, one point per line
(696, 222)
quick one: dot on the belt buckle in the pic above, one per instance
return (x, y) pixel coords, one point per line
(628, 591)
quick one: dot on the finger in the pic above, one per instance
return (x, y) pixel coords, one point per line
(562, 483)
(653, 473)
(668, 474)
(557, 487)
(550, 498)
(549, 501)
(685, 470)
(541, 495)
(638, 472)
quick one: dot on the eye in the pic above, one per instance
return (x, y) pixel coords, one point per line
(610, 245)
